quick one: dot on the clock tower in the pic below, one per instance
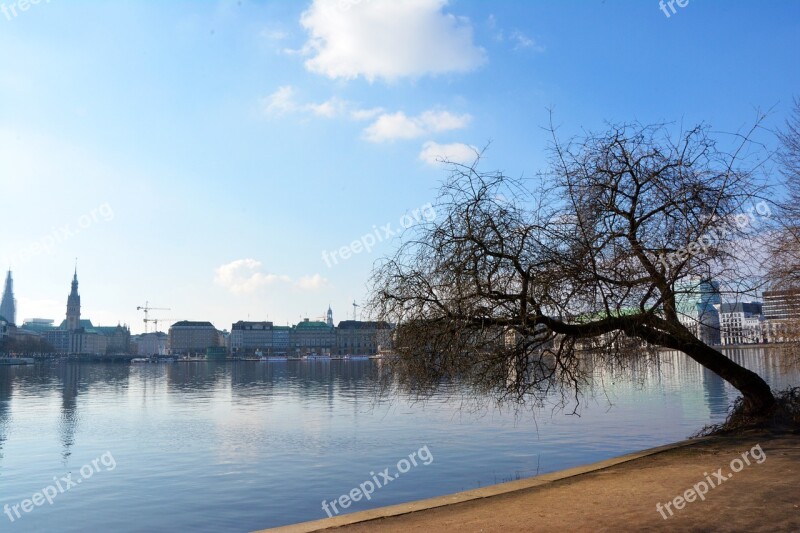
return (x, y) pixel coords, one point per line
(74, 306)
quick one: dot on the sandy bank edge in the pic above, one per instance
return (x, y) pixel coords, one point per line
(474, 494)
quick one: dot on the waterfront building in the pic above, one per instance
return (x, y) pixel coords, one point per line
(355, 337)
(247, 337)
(3, 328)
(23, 336)
(59, 339)
(741, 323)
(224, 342)
(281, 339)
(782, 305)
(8, 305)
(695, 301)
(76, 336)
(148, 344)
(313, 337)
(118, 338)
(88, 341)
(188, 337)
(38, 325)
(782, 314)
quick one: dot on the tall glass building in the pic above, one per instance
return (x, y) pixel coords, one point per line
(695, 300)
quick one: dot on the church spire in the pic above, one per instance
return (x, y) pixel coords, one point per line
(74, 304)
(8, 305)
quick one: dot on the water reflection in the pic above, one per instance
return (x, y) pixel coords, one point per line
(261, 443)
(6, 392)
(295, 380)
(70, 377)
(715, 395)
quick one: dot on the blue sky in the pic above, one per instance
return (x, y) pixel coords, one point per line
(203, 155)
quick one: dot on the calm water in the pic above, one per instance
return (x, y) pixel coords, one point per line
(243, 446)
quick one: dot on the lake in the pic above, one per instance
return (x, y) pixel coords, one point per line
(248, 445)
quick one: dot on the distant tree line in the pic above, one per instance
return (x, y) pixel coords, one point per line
(25, 345)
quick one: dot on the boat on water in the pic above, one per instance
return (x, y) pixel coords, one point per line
(350, 357)
(316, 357)
(192, 359)
(16, 360)
(140, 360)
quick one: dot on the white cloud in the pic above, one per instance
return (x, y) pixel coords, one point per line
(329, 109)
(246, 276)
(283, 101)
(387, 39)
(274, 35)
(436, 154)
(523, 41)
(280, 102)
(394, 126)
(312, 282)
(438, 121)
(365, 114)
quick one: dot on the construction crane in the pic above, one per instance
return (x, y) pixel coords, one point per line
(155, 322)
(146, 308)
(355, 305)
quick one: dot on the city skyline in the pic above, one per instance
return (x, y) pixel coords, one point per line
(282, 146)
(72, 317)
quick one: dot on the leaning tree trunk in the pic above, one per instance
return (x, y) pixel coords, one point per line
(758, 397)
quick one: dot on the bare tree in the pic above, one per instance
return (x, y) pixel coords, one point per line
(785, 263)
(517, 282)
(784, 270)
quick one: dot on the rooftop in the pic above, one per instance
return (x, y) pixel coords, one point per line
(306, 324)
(191, 324)
(358, 324)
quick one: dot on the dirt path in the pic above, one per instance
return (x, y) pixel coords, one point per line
(762, 496)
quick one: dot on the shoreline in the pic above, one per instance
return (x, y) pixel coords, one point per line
(673, 468)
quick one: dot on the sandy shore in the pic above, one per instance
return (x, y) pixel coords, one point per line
(620, 495)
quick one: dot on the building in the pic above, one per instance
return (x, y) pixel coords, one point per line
(73, 321)
(75, 336)
(313, 337)
(3, 328)
(248, 337)
(741, 323)
(8, 305)
(118, 338)
(187, 337)
(781, 305)
(355, 337)
(59, 339)
(38, 325)
(149, 344)
(281, 339)
(782, 314)
(695, 301)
